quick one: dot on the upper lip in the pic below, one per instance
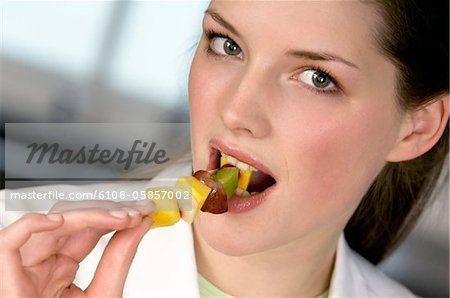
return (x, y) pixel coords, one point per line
(241, 155)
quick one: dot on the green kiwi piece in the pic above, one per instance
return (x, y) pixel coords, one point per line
(228, 177)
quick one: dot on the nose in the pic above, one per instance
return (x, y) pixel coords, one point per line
(245, 109)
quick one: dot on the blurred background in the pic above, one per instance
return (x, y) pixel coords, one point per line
(95, 62)
(128, 62)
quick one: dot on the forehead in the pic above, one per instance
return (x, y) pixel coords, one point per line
(343, 27)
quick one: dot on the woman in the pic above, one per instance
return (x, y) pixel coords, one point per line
(344, 104)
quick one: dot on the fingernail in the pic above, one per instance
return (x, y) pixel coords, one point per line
(130, 211)
(118, 213)
(54, 217)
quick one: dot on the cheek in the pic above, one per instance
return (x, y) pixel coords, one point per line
(198, 91)
(204, 110)
(337, 157)
(198, 112)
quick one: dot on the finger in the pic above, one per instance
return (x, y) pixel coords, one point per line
(117, 258)
(12, 238)
(107, 220)
(102, 220)
(15, 235)
(77, 223)
(63, 206)
(63, 273)
(143, 206)
(73, 292)
(133, 208)
(81, 243)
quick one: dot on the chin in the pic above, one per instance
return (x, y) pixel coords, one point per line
(229, 238)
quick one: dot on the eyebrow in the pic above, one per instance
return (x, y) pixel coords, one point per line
(316, 56)
(219, 19)
(322, 56)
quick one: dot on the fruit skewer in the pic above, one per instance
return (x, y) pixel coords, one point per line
(209, 192)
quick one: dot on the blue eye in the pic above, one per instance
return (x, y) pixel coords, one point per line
(317, 79)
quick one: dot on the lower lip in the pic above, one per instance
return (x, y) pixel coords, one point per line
(241, 204)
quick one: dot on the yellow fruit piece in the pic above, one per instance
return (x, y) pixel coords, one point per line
(166, 207)
(223, 161)
(199, 193)
(244, 178)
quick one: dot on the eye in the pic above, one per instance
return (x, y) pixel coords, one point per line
(317, 79)
(222, 45)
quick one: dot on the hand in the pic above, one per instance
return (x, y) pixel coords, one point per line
(40, 254)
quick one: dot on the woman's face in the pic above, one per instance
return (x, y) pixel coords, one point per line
(299, 90)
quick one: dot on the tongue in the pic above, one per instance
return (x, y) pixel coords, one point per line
(259, 182)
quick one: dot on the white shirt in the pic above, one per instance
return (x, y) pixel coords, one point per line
(164, 265)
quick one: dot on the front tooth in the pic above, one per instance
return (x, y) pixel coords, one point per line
(239, 191)
(245, 193)
(242, 166)
(227, 159)
(231, 160)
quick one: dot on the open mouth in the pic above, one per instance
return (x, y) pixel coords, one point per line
(251, 179)
(237, 180)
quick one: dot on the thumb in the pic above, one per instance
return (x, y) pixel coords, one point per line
(112, 270)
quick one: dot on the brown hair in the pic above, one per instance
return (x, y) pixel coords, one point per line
(414, 35)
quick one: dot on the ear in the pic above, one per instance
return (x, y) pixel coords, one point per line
(421, 129)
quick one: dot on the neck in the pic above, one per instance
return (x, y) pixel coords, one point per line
(302, 268)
